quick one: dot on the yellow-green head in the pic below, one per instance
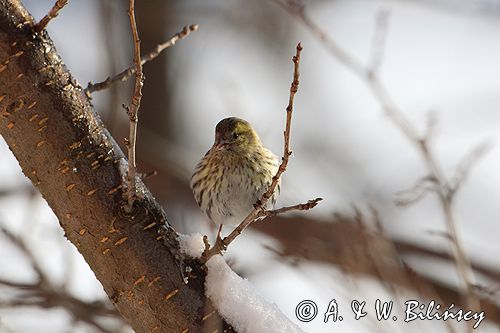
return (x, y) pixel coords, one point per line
(235, 133)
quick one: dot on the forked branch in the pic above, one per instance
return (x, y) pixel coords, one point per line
(50, 15)
(126, 73)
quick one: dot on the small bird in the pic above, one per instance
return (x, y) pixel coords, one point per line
(234, 174)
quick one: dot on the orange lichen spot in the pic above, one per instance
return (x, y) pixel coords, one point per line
(43, 121)
(33, 117)
(113, 190)
(20, 75)
(106, 251)
(149, 226)
(70, 187)
(156, 279)
(10, 125)
(141, 301)
(75, 145)
(171, 294)
(94, 163)
(208, 315)
(2, 68)
(42, 128)
(2, 97)
(121, 241)
(6, 114)
(68, 216)
(139, 280)
(33, 172)
(130, 294)
(65, 170)
(40, 143)
(63, 162)
(112, 228)
(91, 192)
(18, 54)
(156, 328)
(104, 239)
(82, 231)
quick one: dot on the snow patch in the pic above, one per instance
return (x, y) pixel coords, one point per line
(240, 304)
(191, 245)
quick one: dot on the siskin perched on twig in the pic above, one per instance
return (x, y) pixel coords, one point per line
(234, 174)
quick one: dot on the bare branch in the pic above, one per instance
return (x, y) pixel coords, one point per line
(21, 245)
(43, 293)
(464, 167)
(126, 73)
(50, 15)
(133, 110)
(303, 206)
(379, 38)
(417, 192)
(297, 10)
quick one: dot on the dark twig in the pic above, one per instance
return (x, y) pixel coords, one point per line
(258, 211)
(50, 15)
(126, 73)
(370, 76)
(43, 293)
(21, 245)
(303, 206)
(134, 109)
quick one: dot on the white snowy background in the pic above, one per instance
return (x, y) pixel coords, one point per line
(442, 56)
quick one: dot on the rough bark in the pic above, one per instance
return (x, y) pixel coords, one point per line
(71, 158)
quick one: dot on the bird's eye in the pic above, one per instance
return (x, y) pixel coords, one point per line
(235, 136)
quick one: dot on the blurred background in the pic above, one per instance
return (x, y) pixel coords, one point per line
(439, 61)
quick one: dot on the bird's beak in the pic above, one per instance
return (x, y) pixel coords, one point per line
(220, 144)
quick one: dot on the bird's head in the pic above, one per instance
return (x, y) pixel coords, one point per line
(235, 133)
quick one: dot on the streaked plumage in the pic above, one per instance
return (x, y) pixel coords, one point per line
(234, 173)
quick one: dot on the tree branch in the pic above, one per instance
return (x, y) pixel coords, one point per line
(63, 148)
(133, 110)
(50, 15)
(370, 76)
(126, 73)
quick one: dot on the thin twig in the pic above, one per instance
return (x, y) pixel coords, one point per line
(126, 73)
(303, 206)
(417, 192)
(21, 245)
(133, 110)
(50, 15)
(297, 10)
(43, 293)
(258, 208)
(464, 167)
(379, 38)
